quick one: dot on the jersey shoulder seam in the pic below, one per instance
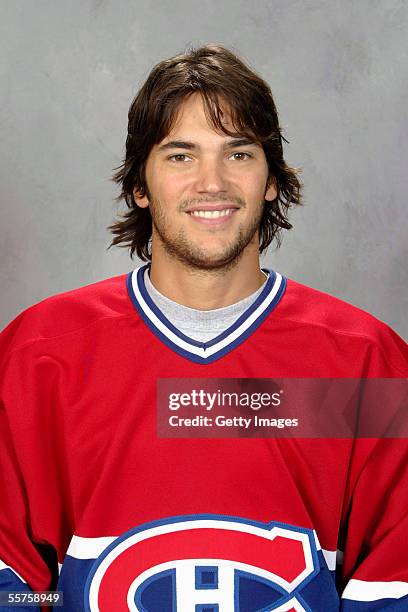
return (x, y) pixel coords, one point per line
(349, 334)
(32, 341)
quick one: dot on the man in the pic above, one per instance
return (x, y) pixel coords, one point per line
(144, 522)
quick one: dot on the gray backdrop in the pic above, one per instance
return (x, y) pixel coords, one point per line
(69, 70)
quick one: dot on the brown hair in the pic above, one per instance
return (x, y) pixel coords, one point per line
(218, 75)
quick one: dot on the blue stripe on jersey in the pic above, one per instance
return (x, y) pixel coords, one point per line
(9, 581)
(320, 594)
(192, 349)
(74, 574)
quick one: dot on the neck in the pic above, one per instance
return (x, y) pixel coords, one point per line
(203, 289)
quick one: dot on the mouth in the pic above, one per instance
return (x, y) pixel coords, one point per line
(212, 214)
(213, 218)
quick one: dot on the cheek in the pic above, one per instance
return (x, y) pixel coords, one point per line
(254, 186)
(167, 186)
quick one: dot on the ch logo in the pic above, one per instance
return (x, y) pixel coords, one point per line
(204, 563)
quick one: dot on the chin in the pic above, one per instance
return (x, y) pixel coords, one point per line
(214, 257)
(208, 262)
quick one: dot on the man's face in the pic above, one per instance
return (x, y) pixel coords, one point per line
(206, 191)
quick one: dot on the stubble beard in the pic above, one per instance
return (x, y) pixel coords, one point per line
(196, 258)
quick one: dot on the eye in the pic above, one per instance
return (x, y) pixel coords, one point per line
(240, 156)
(179, 157)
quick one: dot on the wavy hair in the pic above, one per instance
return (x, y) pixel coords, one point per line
(217, 75)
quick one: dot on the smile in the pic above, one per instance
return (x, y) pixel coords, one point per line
(212, 214)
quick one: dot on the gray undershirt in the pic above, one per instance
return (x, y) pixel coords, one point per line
(201, 325)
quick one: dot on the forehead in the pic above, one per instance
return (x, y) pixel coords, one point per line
(191, 119)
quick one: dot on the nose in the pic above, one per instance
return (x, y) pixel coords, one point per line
(211, 177)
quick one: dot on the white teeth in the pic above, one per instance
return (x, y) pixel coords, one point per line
(212, 214)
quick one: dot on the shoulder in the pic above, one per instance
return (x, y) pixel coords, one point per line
(319, 315)
(316, 308)
(68, 312)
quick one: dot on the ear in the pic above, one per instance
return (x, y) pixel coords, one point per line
(271, 191)
(141, 201)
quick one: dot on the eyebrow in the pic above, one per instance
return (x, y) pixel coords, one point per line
(191, 146)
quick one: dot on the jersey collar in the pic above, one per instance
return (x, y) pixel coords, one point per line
(221, 345)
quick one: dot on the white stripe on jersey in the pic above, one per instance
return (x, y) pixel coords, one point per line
(210, 350)
(91, 548)
(88, 548)
(332, 557)
(362, 590)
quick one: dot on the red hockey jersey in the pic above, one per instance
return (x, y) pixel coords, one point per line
(139, 522)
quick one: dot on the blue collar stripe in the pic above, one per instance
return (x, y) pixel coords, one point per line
(193, 350)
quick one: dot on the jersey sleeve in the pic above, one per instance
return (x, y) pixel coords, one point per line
(21, 566)
(29, 531)
(374, 572)
(375, 562)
